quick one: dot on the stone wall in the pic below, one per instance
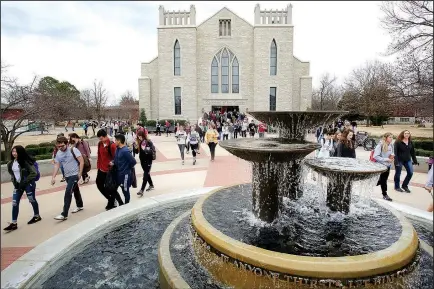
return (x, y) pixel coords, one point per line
(263, 36)
(208, 44)
(186, 36)
(148, 97)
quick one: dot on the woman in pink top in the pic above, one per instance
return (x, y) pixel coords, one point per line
(84, 148)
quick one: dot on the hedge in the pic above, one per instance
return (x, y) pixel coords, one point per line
(31, 146)
(424, 153)
(424, 145)
(163, 122)
(45, 144)
(43, 157)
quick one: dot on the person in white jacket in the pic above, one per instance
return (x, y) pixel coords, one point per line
(181, 137)
(225, 131)
(383, 154)
(326, 146)
(193, 139)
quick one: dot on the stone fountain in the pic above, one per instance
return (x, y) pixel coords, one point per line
(288, 248)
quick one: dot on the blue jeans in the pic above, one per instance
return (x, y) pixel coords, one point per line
(409, 168)
(62, 170)
(125, 184)
(71, 188)
(31, 196)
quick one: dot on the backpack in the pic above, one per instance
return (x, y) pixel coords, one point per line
(108, 148)
(371, 156)
(154, 153)
(38, 174)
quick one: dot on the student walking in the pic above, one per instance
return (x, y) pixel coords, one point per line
(193, 140)
(345, 148)
(84, 148)
(124, 163)
(384, 154)
(24, 176)
(404, 157)
(145, 149)
(181, 137)
(211, 139)
(73, 164)
(429, 187)
(106, 154)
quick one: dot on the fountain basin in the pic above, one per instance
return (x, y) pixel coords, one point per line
(342, 172)
(227, 258)
(293, 124)
(277, 150)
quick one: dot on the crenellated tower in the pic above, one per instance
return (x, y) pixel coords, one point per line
(169, 18)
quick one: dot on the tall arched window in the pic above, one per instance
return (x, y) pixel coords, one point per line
(177, 59)
(273, 58)
(225, 71)
(227, 78)
(235, 76)
(214, 76)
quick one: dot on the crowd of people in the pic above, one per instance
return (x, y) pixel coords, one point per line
(116, 159)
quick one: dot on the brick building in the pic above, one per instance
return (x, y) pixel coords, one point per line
(224, 63)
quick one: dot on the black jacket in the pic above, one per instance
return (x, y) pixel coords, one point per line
(404, 153)
(345, 152)
(145, 157)
(28, 174)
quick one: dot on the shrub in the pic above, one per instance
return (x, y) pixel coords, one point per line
(3, 155)
(152, 123)
(45, 144)
(31, 146)
(421, 125)
(424, 145)
(423, 153)
(33, 151)
(43, 157)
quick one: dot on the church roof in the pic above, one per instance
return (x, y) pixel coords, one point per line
(224, 8)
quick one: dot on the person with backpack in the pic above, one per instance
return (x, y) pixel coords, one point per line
(24, 174)
(54, 156)
(405, 156)
(146, 151)
(84, 148)
(123, 162)
(384, 154)
(193, 140)
(73, 164)
(106, 154)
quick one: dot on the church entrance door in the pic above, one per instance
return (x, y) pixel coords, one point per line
(225, 108)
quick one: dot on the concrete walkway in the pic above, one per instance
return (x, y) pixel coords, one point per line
(168, 175)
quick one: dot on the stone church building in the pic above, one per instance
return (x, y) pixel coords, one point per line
(224, 63)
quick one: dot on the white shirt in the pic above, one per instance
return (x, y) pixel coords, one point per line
(181, 136)
(16, 170)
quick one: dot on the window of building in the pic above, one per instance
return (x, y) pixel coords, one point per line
(177, 59)
(225, 72)
(404, 119)
(214, 76)
(273, 58)
(224, 27)
(177, 96)
(235, 76)
(272, 98)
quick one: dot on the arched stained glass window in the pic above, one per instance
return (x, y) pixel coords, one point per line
(214, 76)
(177, 59)
(273, 58)
(225, 71)
(235, 76)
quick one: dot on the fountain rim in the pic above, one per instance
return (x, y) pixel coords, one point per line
(395, 257)
(310, 146)
(323, 170)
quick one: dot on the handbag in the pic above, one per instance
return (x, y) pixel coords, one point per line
(133, 178)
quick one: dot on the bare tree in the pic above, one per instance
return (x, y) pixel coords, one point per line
(370, 88)
(99, 98)
(19, 109)
(327, 96)
(411, 25)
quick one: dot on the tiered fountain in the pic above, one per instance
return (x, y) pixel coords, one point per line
(289, 245)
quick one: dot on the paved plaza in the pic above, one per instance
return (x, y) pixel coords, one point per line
(168, 174)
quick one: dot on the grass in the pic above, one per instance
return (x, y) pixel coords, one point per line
(416, 132)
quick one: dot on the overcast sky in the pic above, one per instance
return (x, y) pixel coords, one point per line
(82, 41)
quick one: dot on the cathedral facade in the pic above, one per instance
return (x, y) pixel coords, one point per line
(224, 63)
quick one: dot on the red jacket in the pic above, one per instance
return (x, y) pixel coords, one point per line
(261, 127)
(103, 160)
